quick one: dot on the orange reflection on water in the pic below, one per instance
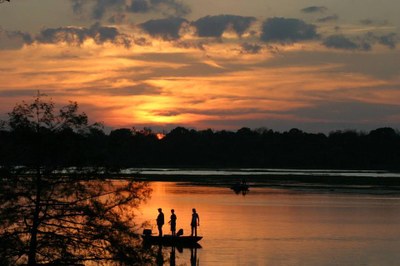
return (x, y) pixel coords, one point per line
(272, 226)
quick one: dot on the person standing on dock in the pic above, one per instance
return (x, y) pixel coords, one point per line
(172, 222)
(160, 221)
(195, 221)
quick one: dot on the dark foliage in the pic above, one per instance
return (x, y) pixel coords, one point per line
(182, 147)
(78, 146)
(54, 208)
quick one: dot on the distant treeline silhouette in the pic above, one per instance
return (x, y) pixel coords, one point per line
(182, 147)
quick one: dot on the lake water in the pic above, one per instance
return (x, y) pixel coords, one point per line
(274, 226)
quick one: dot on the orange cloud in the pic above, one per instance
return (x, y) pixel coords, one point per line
(166, 85)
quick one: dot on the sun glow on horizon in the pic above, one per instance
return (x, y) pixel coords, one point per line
(164, 85)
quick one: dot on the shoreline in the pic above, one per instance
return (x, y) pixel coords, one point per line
(294, 183)
(302, 180)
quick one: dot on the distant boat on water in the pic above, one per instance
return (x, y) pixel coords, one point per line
(241, 187)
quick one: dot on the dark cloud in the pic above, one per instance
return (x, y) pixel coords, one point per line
(76, 36)
(167, 29)
(14, 39)
(345, 43)
(328, 18)
(215, 26)
(70, 35)
(364, 42)
(314, 9)
(287, 30)
(390, 40)
(249, 48)
(98, 9)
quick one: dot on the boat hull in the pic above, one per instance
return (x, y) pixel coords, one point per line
(169, 240)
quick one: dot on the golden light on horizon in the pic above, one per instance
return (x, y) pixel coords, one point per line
(160, 136)
(165, 85)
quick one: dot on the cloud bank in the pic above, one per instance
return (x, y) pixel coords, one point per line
(167, 29)
(363, 43)
(287, 30)
(77, 36)
(215, 26)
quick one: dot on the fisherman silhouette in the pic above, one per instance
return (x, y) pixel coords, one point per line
(195, 221)
(160, 221)
(172, 222)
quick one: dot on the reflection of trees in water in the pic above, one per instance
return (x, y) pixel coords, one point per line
(65, 220)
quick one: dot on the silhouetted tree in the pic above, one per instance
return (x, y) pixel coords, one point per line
(53, 212)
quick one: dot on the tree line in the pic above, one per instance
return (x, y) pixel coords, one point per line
(64, 145)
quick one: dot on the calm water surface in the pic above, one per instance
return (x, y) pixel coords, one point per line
(280, 227)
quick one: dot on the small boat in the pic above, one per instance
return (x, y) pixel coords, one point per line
(240, 188)
(170, 240)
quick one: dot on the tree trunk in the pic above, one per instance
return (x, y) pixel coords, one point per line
(35, 223)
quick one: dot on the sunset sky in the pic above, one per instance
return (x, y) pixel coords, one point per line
(317, 65)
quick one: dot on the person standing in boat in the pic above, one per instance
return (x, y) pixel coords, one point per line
(195, 221)
(160, 221)
(172, 222)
